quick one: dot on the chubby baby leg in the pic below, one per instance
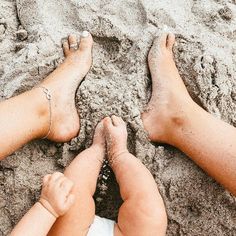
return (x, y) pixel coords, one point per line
(83, 171)
(143, 211)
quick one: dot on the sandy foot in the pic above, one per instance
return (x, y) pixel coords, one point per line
(116, 137)
(63, 83)
(99, 142)
(169, 93)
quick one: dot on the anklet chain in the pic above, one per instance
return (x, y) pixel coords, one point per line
(49, 98)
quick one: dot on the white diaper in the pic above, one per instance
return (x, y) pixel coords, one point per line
(101, 227)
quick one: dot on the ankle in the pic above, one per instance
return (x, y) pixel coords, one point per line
(116, 156)
(99, 152)
(42, 111)
(98, 148)
(178, 120)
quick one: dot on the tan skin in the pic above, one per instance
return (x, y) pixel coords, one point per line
(32, 123)
(66, 205)
(30, 120)
(174, 118)
(143, 210)
(56, 199)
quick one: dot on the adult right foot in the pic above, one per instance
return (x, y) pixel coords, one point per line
(169, 94)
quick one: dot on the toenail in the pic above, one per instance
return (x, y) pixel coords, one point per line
(85, 34)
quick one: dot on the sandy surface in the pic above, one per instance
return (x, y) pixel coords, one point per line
(119, 83)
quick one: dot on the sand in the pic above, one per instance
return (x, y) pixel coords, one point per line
(119, 83)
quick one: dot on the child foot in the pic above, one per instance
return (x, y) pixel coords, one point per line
(62, 84)
(99, 141)
(169, 94)
(116, 137)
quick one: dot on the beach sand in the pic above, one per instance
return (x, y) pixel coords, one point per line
(119, 83)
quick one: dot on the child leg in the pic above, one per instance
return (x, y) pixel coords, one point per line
(83, 171)
(143, 211)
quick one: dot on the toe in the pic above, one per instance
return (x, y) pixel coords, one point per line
(161, 41)
(158, 43)
(99, 137)
(116, 120)
(73, 43)
(99, 128)
(86, 41)
(122, 122)
(46, 178)
(170, 41)
(56, 175)
(108, 123)
(66, 48)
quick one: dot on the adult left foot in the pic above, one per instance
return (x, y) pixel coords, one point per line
(62, 84)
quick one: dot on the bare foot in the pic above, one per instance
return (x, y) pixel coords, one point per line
(99, 142)
(62, 84)
(116, 137)
(169, 94)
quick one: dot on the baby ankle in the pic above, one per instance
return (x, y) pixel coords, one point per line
(114, 158)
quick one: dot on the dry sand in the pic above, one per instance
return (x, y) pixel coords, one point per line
(119, 83)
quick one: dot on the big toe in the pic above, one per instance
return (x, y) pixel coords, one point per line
(99, 128)
(117, 121)
(108, 125)
(159, 47)
(86, 41)
(170, 41)
(160, 42)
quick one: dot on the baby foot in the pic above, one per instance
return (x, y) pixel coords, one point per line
(116, 137)
(99, 142)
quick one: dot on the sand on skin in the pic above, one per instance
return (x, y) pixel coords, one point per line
(119, 83)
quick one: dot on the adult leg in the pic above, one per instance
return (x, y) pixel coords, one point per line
(83, 171)
(173, 117)
(143, 211)
(27, 116)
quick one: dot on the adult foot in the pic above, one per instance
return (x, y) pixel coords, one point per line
(169, 94)
(62, 84)
(116, 137)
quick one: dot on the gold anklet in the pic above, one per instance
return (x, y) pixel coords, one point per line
(49, 98)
